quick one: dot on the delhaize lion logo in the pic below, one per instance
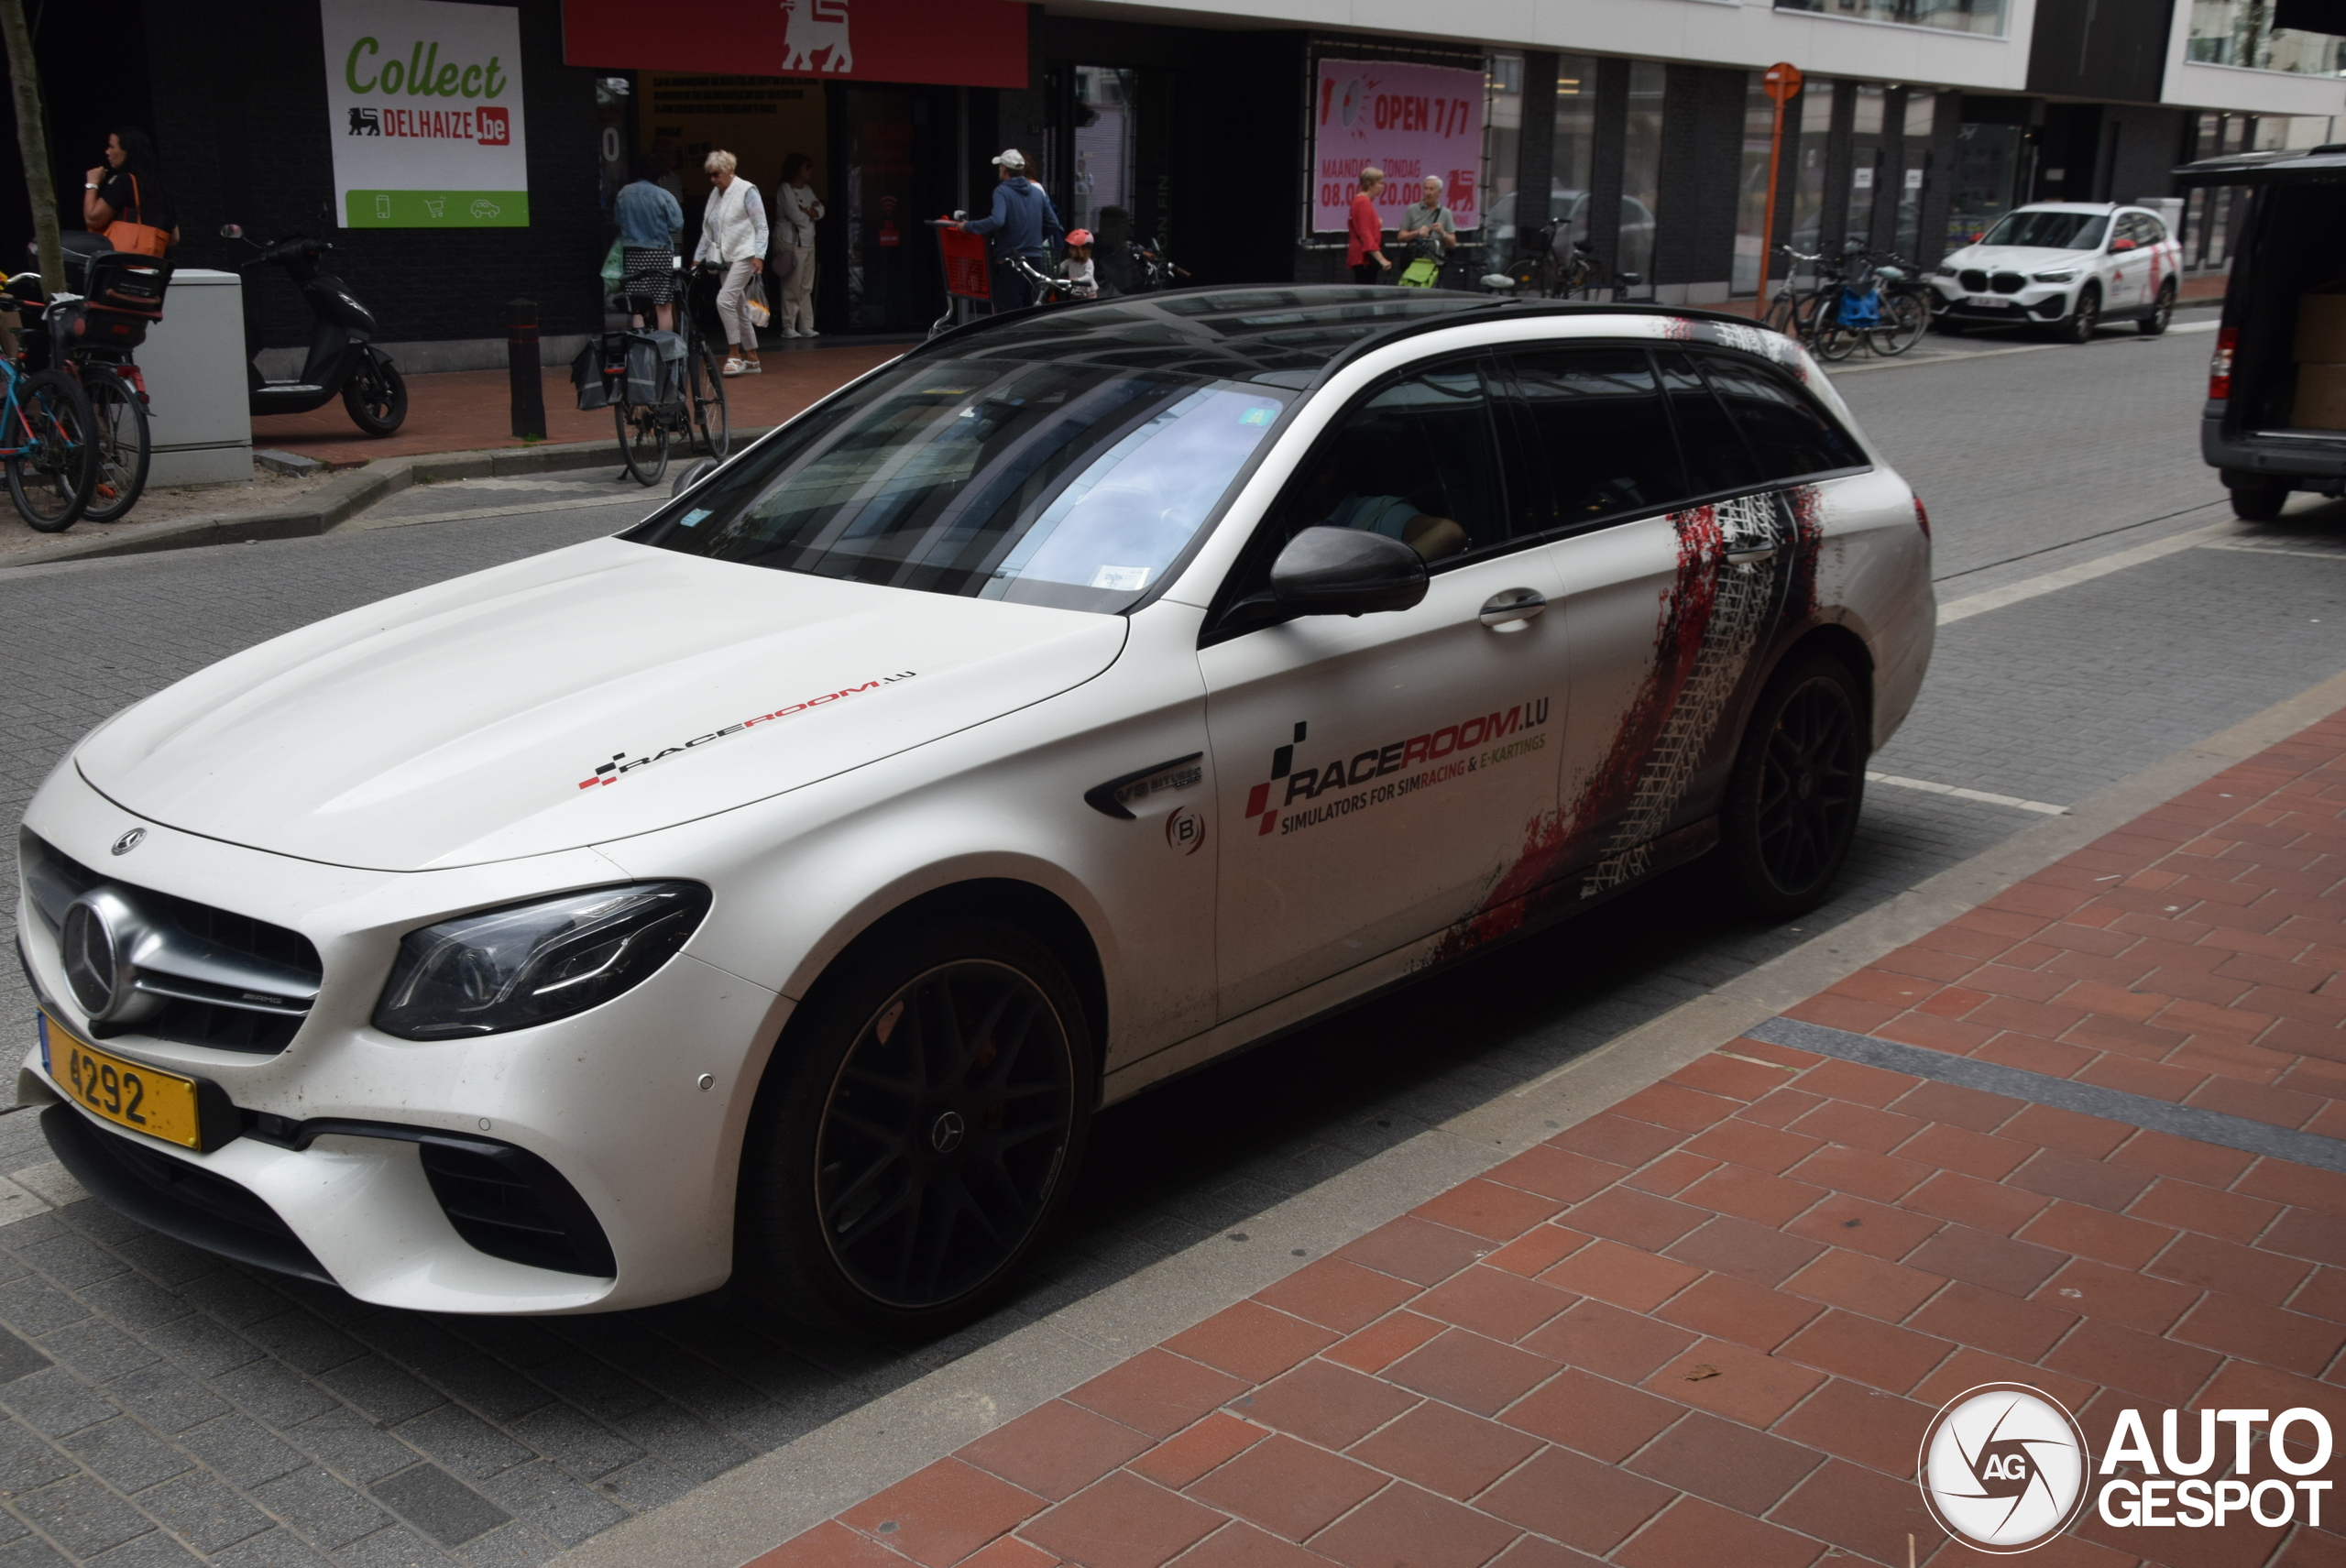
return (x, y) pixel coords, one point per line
(811, 27)
(2003, 1468)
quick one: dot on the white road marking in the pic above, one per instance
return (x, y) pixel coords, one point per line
(2083, 572)
(1985, 798)
(2247, 548)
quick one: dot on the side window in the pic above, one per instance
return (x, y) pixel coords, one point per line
(1788, 434)
(1718, 458)
(1418, 462)
(2148, 230)
(1593, 418)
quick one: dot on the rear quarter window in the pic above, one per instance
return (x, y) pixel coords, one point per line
(1789, 436)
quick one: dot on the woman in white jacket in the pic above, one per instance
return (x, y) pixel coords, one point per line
(733, 236)
(796, 208)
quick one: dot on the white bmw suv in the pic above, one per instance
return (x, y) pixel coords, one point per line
(2069, 265)
(771, 892)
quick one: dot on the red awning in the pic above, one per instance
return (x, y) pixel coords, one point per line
(953, 43)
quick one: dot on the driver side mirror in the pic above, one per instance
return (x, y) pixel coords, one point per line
(232, 231)
(1344, 571)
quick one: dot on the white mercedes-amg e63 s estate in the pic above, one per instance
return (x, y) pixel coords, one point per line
(773, 893)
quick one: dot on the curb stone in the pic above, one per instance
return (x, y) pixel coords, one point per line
(340, 500)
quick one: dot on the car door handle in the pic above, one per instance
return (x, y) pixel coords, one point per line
(1511, 610)
(1752, 556)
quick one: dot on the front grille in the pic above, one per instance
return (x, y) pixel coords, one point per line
(508, 1203)
(2009, 282)
(54, 880)
(1973, 280)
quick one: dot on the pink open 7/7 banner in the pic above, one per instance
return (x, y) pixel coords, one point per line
(1408, 120)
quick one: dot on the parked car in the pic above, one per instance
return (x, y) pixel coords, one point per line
(773, 892)
(2276, 417)
(2070, 265)
(1636, 235)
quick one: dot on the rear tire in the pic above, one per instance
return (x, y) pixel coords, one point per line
(643, 442)
(2259, 502)
(917, 1131)
(124, 447)
(2160, 313)
(1798, 787)
(50, 478)
(708, 393)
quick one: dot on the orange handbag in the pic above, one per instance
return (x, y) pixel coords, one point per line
(142, 238)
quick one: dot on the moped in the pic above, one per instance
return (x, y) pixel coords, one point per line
(342, 357)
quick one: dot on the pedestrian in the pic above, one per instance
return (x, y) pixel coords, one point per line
(1113, 253)
(1023, 223)
(1365, 251)
(1081, 283)
(797, 211)
(129, 189)
(733, 237)
(649, 219)
(1428, 232)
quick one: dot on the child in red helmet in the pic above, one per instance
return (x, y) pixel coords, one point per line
(1080, 281)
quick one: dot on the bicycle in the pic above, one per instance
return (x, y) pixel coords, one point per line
(44, 441)
(646, 429)
(1907, 307)
(1790, 312)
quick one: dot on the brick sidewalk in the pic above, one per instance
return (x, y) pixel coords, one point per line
(1709, 1326)
(472, 410)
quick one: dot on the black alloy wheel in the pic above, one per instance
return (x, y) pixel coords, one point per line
(2160, 313)
(2087, 318)
(1798, 787)
(375, 396)
(919, 1136)
(124, 447)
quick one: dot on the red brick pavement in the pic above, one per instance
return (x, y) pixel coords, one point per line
(472, 410)
(1708, 1329)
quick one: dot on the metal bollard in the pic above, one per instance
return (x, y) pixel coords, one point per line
(522, 362)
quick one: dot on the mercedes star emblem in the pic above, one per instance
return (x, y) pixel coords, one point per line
(130, 841)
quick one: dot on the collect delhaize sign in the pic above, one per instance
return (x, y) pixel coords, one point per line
(1408, 120)
(951, 43)
(424, 100)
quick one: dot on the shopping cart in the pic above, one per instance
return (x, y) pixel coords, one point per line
(967, 276)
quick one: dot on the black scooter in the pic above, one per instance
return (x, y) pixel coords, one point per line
(343, 355)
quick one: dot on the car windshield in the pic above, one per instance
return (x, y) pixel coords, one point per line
(2050, 231)
(1072, 484)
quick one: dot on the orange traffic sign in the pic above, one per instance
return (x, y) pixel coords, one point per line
(1782, 79)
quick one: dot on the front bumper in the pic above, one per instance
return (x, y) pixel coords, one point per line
(610, 1100)
(2036, 302)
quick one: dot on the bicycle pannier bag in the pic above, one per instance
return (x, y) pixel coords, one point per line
(655, 368)
(598, 369)
(129, 234)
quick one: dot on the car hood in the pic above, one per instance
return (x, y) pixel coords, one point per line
(2016, 258)
(572, 698)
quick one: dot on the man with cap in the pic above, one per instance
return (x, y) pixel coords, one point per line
(1023, 223)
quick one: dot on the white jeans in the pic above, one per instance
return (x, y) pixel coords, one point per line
(796, 311)
(733, 308)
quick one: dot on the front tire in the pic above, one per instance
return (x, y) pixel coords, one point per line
(2160, 313)
(2085, 318)
(1799, 784)
(375, 397)
(56, 466)
(918, 1133)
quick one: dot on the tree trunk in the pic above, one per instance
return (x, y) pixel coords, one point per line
(32, 138)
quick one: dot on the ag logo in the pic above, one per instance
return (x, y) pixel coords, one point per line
(2003, 1468)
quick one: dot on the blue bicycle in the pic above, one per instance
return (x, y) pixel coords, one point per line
(47, 433)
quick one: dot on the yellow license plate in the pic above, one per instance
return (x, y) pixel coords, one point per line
(144, 1099)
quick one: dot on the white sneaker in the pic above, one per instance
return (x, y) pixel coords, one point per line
(810, 331)
(786, 332)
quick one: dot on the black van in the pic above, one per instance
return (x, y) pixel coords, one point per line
(2275, 420)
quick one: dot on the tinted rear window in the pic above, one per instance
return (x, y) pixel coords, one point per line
(1788, 434)
(1717, 459)
(1594, 417)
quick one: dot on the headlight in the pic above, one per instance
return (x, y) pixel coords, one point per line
(2053, 277)
(510, 969)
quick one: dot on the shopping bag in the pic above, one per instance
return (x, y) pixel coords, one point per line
(1420, 273)
(615, 268)
(754, 299)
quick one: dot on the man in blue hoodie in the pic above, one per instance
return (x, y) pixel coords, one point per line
(1023, 223)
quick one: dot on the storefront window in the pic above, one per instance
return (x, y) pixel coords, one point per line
(1865, 162)
(1573, 150)
(1922, 118)
(1502, 136)
(1987, 171)
(1955, 16)
(1642, 172)
(1751, 196)
(2240, 32)
(1815, 106)
(880, 210)
(1106, 139)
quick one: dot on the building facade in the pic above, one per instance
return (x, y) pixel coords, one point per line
(1228, 132)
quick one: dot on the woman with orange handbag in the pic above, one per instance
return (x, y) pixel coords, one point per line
(122, 198)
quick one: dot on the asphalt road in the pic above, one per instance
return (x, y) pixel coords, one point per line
(199, 1412)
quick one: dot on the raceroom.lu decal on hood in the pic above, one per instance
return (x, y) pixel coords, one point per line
(611, 772)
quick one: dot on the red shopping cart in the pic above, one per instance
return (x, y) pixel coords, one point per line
(967, 275)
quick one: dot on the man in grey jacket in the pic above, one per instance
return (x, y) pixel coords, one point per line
(1023, 223)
